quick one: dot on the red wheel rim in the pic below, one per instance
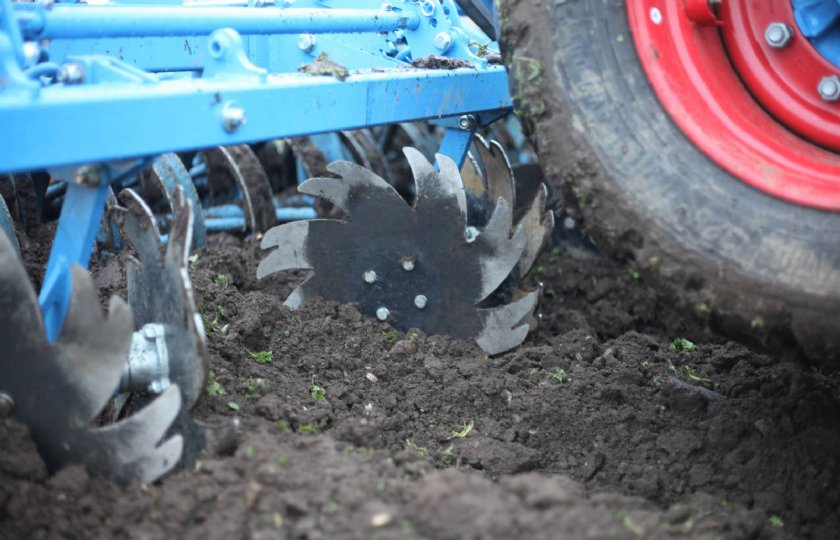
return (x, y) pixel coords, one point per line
(691, 73)
(784, 80)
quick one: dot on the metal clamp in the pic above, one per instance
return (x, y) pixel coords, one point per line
(147, 370)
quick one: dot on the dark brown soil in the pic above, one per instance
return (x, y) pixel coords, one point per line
(592, 429)
(441, 62)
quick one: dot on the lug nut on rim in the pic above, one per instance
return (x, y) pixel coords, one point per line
(778, 34)
(829, 88)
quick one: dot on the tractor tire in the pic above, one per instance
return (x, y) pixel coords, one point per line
(754, 267)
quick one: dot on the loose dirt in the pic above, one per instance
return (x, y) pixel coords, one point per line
(600, 426)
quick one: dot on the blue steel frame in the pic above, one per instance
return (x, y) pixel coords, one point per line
(142, 79)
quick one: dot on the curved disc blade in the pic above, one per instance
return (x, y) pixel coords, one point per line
(60, 388)
(241, 164)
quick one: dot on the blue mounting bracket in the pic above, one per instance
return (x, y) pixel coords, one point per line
(78, 225)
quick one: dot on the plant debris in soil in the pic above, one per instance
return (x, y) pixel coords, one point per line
(322, 65)
(596, 427)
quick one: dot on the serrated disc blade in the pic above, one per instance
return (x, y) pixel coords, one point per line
(502, 329)
(410, 266)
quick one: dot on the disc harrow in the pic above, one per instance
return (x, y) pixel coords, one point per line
(62, 387)
(442, 248)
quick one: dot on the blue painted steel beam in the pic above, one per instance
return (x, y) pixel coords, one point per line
(68, 21)
(77, 227)
(172, 174)
(80, 124)
(456, 144)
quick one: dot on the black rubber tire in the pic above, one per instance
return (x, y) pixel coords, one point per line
(753, 266)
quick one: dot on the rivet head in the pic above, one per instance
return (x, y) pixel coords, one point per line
(470, 234)
(829, 88)
(369, 276)
(421, 301)
(383, 313)
(407, 263)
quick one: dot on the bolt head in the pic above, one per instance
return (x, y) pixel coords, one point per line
(421, 301)
(829, 88)
(233, 117)
(70, 73)
(467, 122)
(88, 175)
(369, 276)
(443, 41)
(407, 263)
(306, 42)
(383, 313)
(31, 53)
(777, 35)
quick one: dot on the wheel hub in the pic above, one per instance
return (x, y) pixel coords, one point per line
(739, 80)
(782, 69)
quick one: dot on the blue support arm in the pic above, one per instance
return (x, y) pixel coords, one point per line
(77, 228)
